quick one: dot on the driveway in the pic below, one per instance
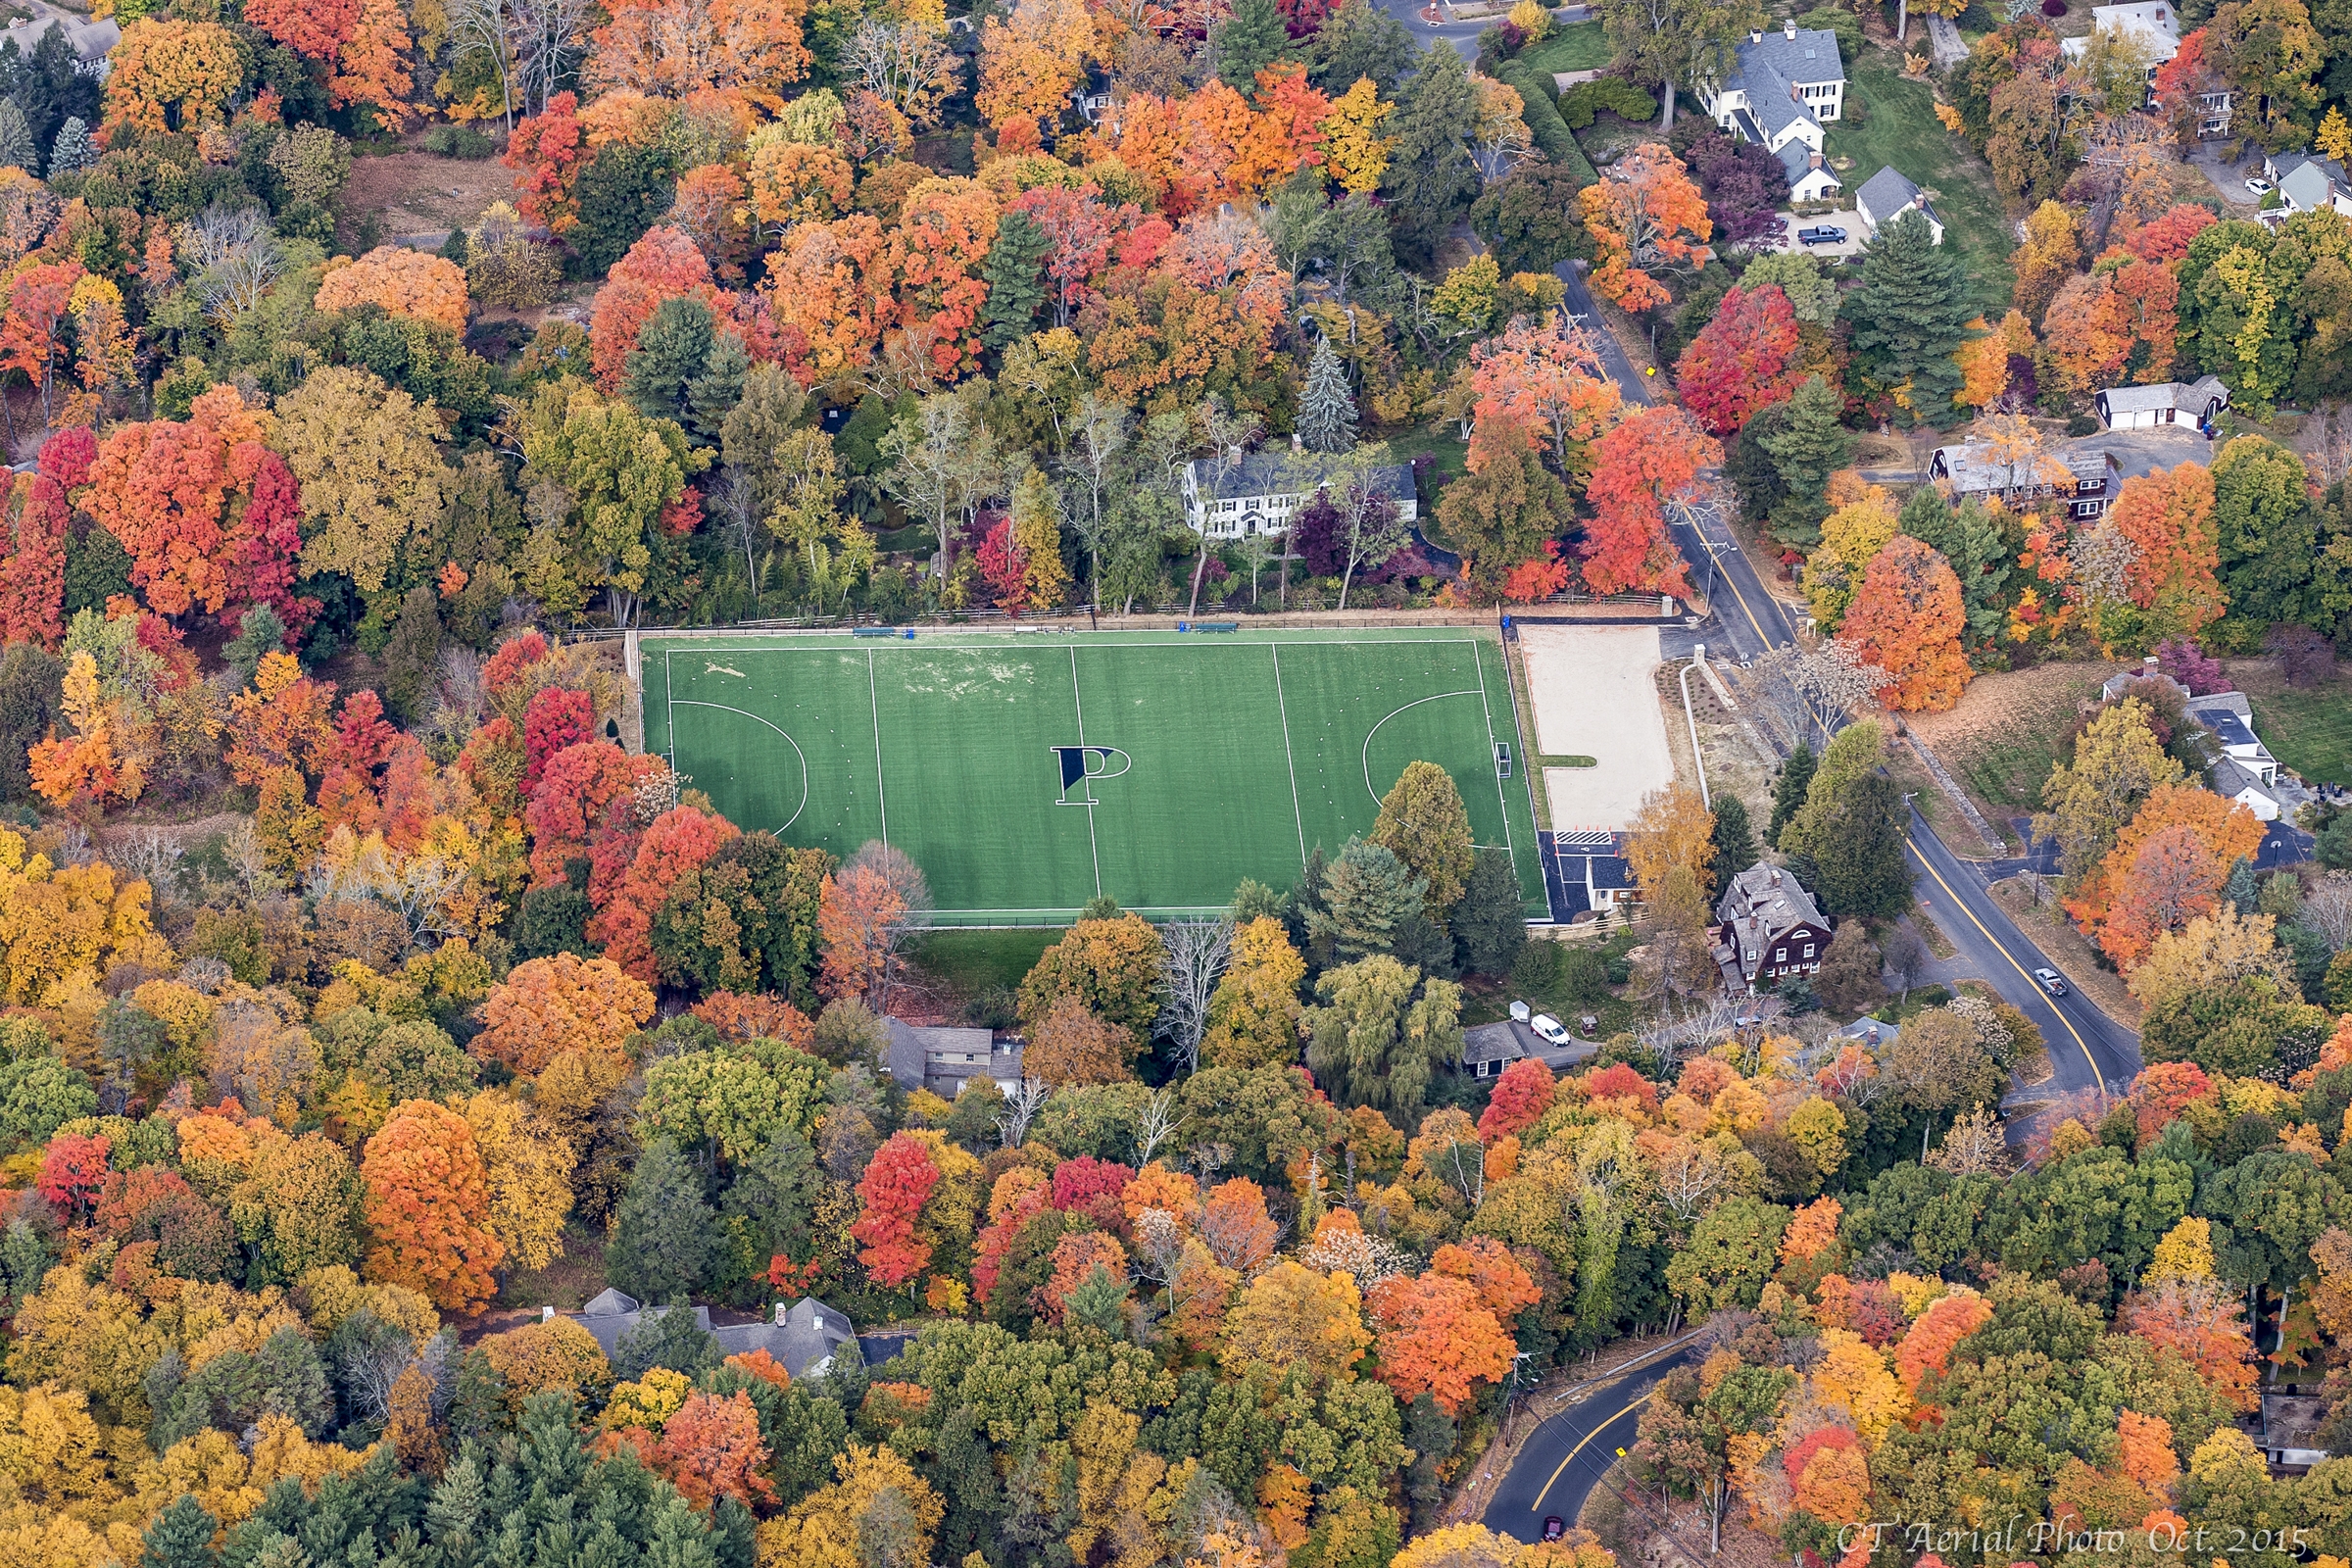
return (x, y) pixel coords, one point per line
(2229, 178)
(2141, 452)
(1851, 245)
(1460, 37)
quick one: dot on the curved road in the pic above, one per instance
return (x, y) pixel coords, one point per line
(1571, 1451)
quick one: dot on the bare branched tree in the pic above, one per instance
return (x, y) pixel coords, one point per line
(1196, 956)
(1021, 1110)
(905, 63)
(233, 256)
(1157, 1124)
(2328, 910)
(1692, 1026)
(549, 39)
(1975, 1146)
(485, 27)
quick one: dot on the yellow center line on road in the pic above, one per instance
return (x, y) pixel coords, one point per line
(2095, 1075)
(1580, 1447)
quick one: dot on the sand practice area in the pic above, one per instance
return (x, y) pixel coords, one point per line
(1593, 692)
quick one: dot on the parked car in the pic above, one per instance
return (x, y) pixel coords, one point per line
(1554, 1527)
(2049, 981)
(1822, 234)
(1545, 1024)
(2258, 185)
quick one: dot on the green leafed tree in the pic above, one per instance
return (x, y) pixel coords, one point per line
(1910, 313)
(1371, 1041)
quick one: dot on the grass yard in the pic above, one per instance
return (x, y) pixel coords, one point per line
(971, 961)
(1900, 127)
(2310, 729)
(1030, 772)
(2002, 740)
(1580, 47)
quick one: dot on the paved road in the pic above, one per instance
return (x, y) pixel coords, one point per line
(1745, 617)
(1463, 35)
(1571, 1451)
(2088, 1049)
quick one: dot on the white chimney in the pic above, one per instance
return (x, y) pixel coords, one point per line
(547, 1315)
(781, 1309)
(1756, 37)
(1788, 29)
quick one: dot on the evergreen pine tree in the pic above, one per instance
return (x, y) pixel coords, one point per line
(1358, 40)
(1756, 480)
(734, 1534)
(181, 1536)
(73, 148)
(1808, 448)
(1326, 408)
(453, 1518)
(671, 1338)
(1969, 537)
(2243, 890)
(1432, 1435)
(260, 631)
(672, 346)
(664, 1234)
(1734, 841)
(17, 149)
(1016, 274)
(1489, 923)
(1910, 313)
(714, 391)
(1789, 794)
(1252, 38)
(1430, 180)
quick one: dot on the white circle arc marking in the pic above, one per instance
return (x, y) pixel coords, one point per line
(1109, 751)
(756, 719)
(1375, 729)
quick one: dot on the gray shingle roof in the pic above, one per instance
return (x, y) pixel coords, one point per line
(1283, 472)
(1762, 903)
(1887, 193)
(1770, 68)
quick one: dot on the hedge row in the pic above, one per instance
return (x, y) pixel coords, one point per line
(1544, 121)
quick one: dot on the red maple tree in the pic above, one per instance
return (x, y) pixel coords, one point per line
(1741, 361)
(1644, 465)
(897, 1183)
(1522, 1094)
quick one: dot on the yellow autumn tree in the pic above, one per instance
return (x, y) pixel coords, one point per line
(823, 1529)
(528, 1166)
(1293, 1316)
(1855, 1379)
(1353, 149)
(172, 75)
(1253, 1017)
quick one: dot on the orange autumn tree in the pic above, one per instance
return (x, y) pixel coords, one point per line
(178, 496)
(1927, 1348)
(710, 1448)
(1029, 64)
(427, 1197)
(2176, 564)
(1549, 377)
(934, 257)
(403, 281)
(858, 914)
(1905, 622)
(547, 1007)
(1649, 215)
(678, 842)
(671, 48)
(34, 519)
(2204, 1319)
(1649, 462)
(664, 264)
(1236, 1228)
(1435, 1337)
(2167, 867)
(827, 282)
(172, 75)
(372, 67)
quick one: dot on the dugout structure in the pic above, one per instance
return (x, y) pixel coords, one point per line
(1027, 773)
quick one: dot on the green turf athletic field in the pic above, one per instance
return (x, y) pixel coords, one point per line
(1027, 773)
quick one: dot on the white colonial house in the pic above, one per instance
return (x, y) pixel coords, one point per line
(2306, 184)
(2144, 408)
(1264, 492)
(1888, 194)
(1782, 87)
(1810, 176)
(2153, 24)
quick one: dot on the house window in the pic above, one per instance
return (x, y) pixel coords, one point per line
(1780, 955)
(1808, 950)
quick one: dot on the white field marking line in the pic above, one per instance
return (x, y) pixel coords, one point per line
(669, 697)
(1283, 707)
(881, 799)
(1080, 707)
(997, 648)
(1501, 799)
(756, 719)
(1434, 697)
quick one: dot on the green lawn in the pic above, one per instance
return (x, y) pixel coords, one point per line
(2309, 731)
(973, 962)
(1900, 127)
(1580, 47)
(1028, 774)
